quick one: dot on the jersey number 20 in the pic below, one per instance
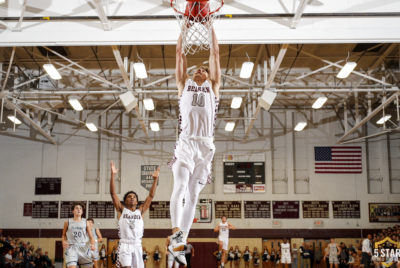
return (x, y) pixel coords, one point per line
(198, 100)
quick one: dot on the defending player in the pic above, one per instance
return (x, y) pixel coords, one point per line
(97, 238)
(76, 235)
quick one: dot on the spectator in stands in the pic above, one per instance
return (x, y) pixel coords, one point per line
(246, 257)
(238, 255)
(367, 251)
(343, 256)
(318, 256)
(8, 259)
(157, 256)
(114, 256)
(256, 257)
(46, 260)
(218, 257)
(272, 257)
(231, 256)
(301, 251)
(103, 256)
(28, 260)
(295, 256)
(307, 256)
(19, 260)
(326, 257)
(145, 256)
(265, 257)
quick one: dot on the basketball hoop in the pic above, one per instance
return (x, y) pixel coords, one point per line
(195, 18)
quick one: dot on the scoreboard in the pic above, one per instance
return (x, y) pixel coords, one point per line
(244, 172)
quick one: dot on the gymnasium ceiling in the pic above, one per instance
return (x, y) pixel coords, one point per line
(298, 71)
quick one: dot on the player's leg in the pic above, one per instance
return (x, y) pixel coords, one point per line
(71, 257)
(137, 257)
(181, 175)
(95, 256)
(196, 184)
(84, 257)
(125, 255)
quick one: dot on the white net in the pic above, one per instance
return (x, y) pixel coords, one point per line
(195, 18)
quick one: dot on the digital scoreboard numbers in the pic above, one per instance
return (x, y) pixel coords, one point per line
(244, 177)
(244, 172)
(47, 186)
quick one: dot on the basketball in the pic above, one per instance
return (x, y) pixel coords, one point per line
(197, 11)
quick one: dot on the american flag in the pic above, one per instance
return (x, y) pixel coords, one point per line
(338, 159)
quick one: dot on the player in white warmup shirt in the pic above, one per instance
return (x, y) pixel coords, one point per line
(77, 234)
(130, 222)
(286, 255)
(191, 165)
(223, 237)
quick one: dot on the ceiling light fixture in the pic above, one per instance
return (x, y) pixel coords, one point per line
(140, 70)
(300, 126)
(14, 119)
(52, 71)
(384, 119)
(247, 68)
(229, 126)
(76, 105)
(236, 102)
(347, 69)
(148, 104)
(319, 102)
(91, 126)
(154, 126)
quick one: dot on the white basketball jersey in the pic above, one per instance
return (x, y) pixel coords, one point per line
(285, 248)
(198, 107)
(131, 225)
(223, 231)
(76, 233)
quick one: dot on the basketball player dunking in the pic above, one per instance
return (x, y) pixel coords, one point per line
(130, 222)
(223, 238)
(191, 166)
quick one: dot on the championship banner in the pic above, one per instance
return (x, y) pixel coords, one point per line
(203, 212)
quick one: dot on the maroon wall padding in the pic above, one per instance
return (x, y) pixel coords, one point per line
(203, 256)
(209, 233)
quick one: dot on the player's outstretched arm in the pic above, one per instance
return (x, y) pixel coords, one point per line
(99, 236)
(64, 235)
(145, 206)
(181, 67)
(114, 196)
(215, 68)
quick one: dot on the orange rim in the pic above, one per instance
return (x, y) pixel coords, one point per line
(182, 13)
